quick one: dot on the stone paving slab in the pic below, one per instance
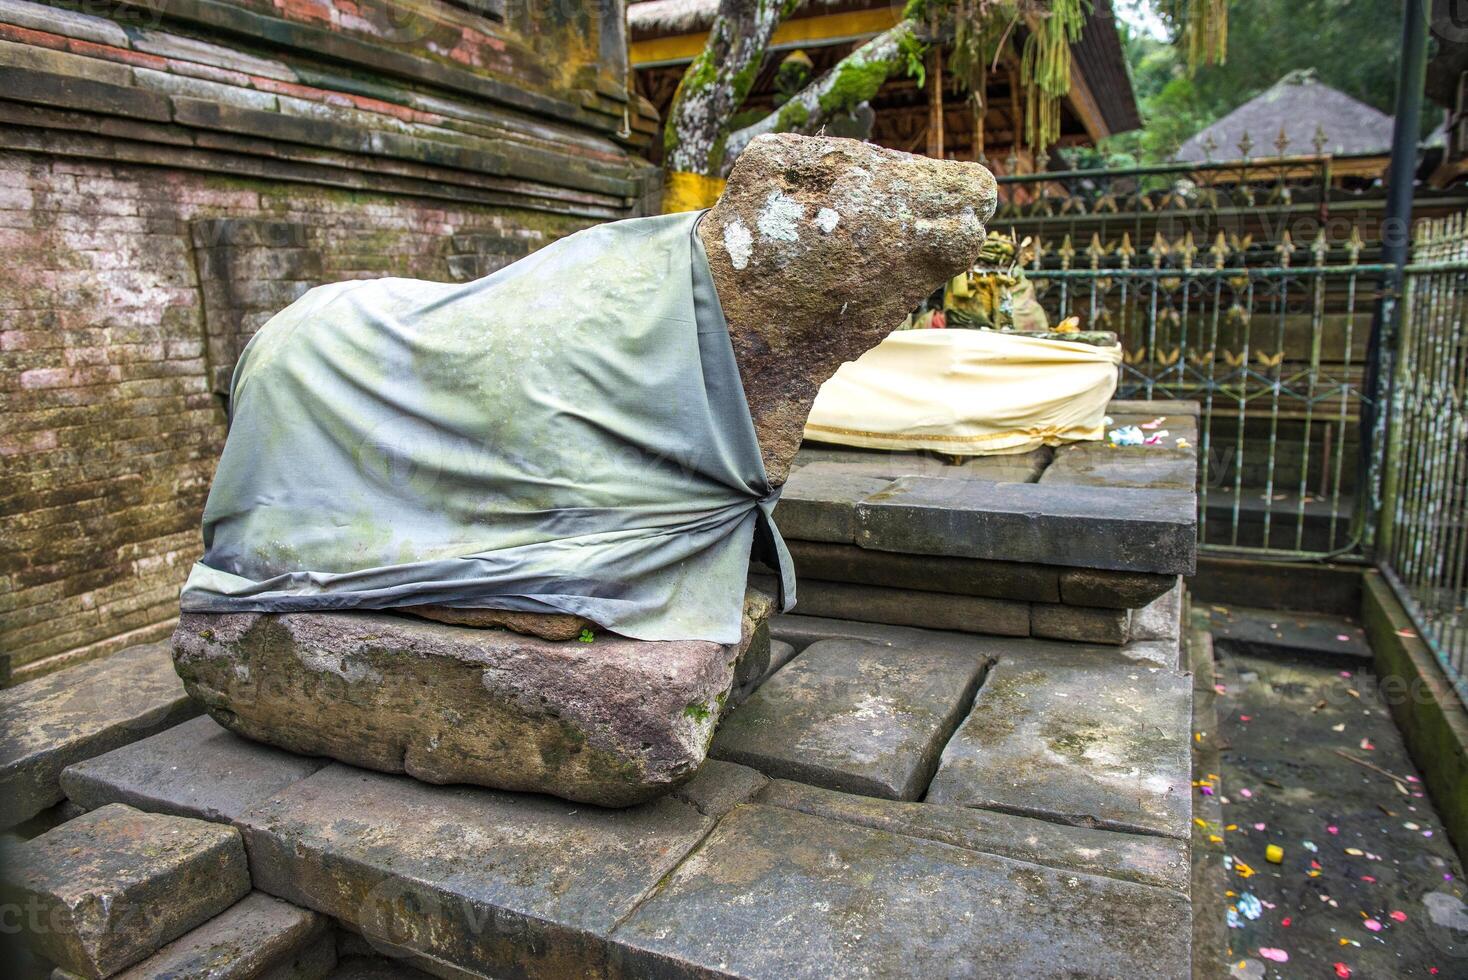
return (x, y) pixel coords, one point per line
(1090, 740)
(907, 607)
(854, 716)
(197, 769)
(499, 883)
(1152, 409)
(83, 711)
(1094, 464)
(778, 893)
(116, 884)
(818, 503)
(1025, 581)
(258, 936)
(1090, 527)
(1145, 859)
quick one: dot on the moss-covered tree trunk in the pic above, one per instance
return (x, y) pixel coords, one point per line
(716, 84)
(850, 82)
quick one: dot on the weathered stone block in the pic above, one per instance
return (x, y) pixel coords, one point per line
(504, 884)
(258, 936)
(78, 713)
(1111, 589)
(1094, 464)
(851, 899)
(196, 769)
(1078, 735)
(1162, 618)
(719, 787)
(820, 505)
(927, 573)
(781, 653)
(613, 722)
(1142, 858)
(854, 716)
(113, 886)
(906, 607)
(1080, 624)
(1088, 527)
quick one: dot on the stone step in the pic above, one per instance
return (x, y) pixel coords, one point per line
(81, 712)
(257, 937)
(907, 607)
(1095, 464)
(115, 885)
(1210, 874)
(855, 716)
(1115, 528)
(497, 883)
(197, 769)
(801, 631)
(1275, 631)
(1093, 740)
(774, 892)
(1147, 860)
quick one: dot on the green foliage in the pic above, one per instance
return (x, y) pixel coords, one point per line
(587, 636)
(913, 53)
(1352, 45)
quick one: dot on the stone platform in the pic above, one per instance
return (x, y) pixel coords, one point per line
(868, 797)
(1076, 543)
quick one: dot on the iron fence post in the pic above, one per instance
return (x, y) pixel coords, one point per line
(1396, 245)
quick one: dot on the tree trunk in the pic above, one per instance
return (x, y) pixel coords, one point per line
(717, 82)
(850, 82)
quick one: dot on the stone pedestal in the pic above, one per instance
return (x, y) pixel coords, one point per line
(612, 721)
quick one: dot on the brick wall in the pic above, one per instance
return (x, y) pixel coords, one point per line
(172, 174)
(110, 415)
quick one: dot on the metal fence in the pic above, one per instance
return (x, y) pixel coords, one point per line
(1422, 543)
(1248, 286)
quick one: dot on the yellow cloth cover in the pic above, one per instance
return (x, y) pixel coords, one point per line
(684, 191)
(968, 393)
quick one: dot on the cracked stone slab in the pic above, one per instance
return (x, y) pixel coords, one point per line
(116, 884)
(505, 884)
(81, 712)
(855, 716)
(197, 769)
(855, 901)
(1119, 528)
(258, 936)
(1144, 859)
(612, 722)
(1072, 734)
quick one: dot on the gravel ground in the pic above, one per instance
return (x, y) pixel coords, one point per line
(1367, 884)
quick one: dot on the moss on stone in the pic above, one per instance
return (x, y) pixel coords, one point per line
(793, 116)
(855, 83)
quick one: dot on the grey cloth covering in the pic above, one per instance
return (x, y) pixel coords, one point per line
(567, 435)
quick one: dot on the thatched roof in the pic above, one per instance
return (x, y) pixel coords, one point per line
(665, 18)
(1306, 110)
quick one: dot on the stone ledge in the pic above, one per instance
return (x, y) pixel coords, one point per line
(81, 712)
(1116, 528)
